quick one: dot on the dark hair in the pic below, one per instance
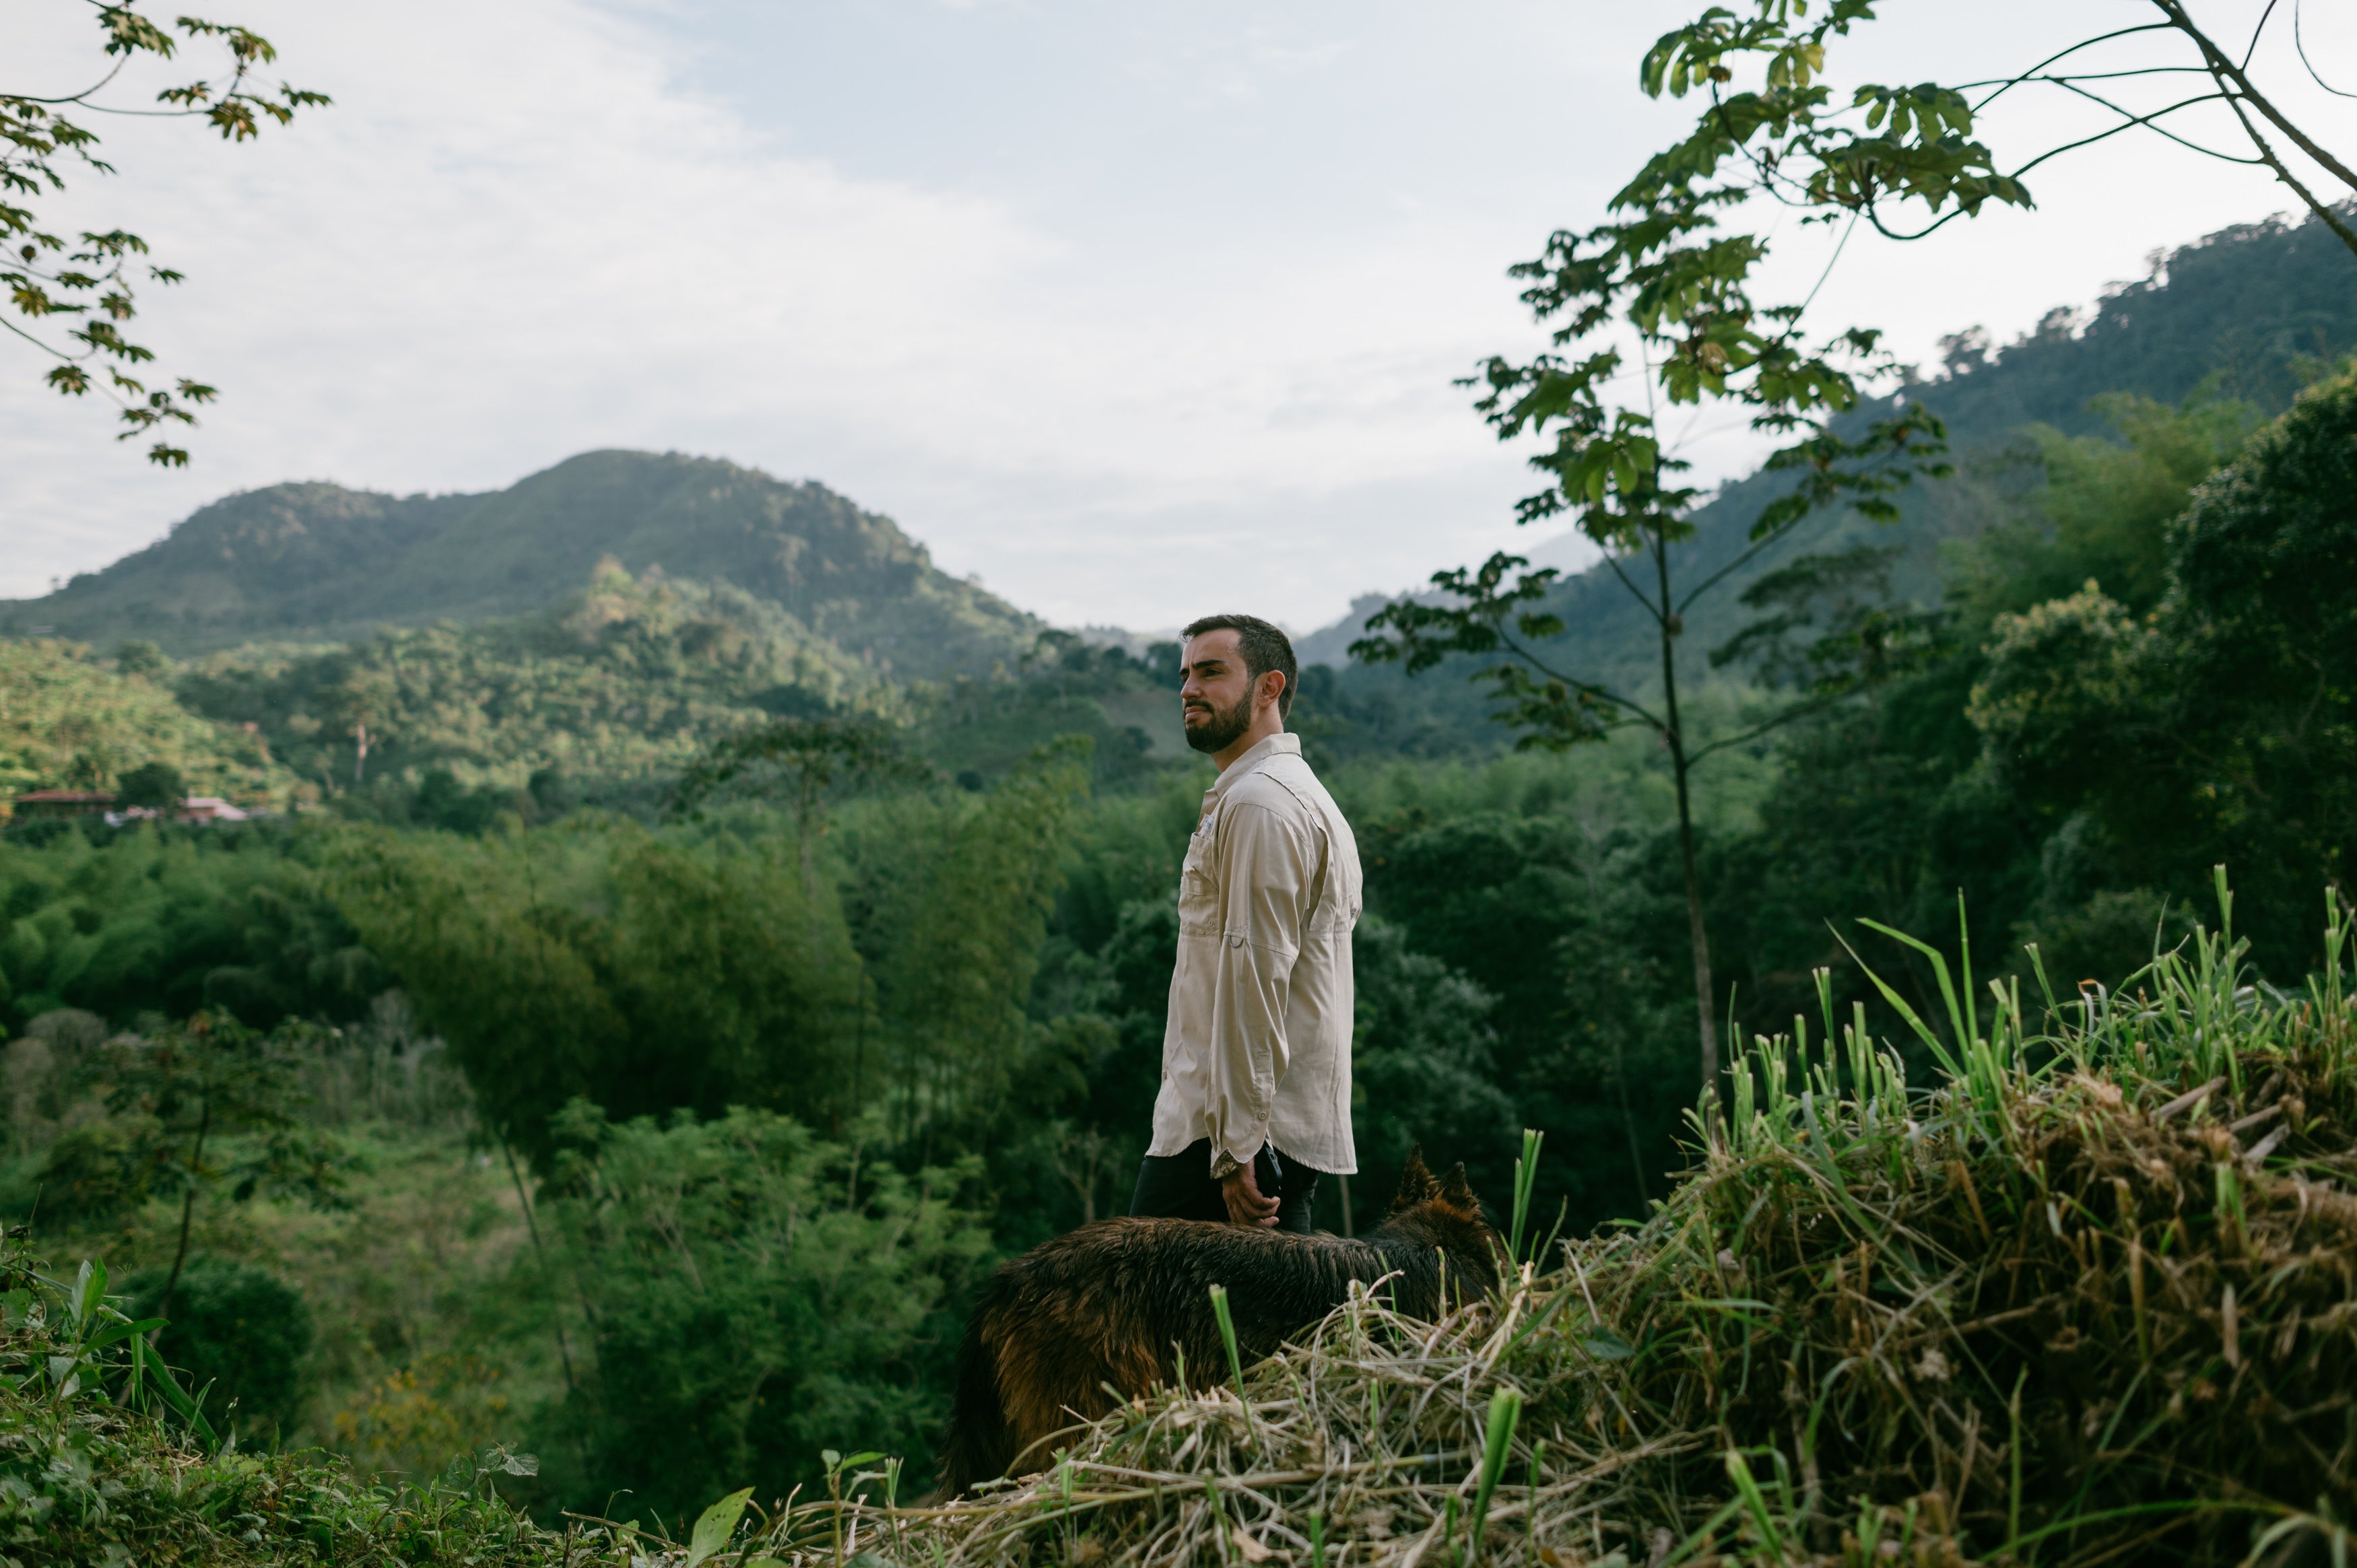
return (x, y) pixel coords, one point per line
(1263, 646)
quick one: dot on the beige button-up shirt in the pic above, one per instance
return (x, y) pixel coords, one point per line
(1258, 1050)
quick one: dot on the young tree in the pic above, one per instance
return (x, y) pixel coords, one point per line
(205, 1107)
(153, 786)
(93, 279)
(808, 762)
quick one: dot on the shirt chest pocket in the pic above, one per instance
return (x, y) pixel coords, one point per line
(1197, 895)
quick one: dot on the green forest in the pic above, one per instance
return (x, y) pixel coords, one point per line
(557, 1072)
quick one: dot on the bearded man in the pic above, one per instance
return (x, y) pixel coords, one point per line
(1255, 1098)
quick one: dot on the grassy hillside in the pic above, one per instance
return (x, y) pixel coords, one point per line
(605, 696)
(318, 562)
(68, 719)
(2084, 1300)
(632, 676)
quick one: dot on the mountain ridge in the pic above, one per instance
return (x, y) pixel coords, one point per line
(311, 561)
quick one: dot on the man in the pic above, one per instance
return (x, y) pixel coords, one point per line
(1255, 1098)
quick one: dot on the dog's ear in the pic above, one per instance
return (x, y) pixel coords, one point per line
(1457, 1193)
(1416, 1185)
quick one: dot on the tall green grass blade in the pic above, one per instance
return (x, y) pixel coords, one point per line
(168, 1388)
(1228, 1336)
(1964, 958)
(1498, 1441)
(1939, 972)
(1923, 1031)
(1527, 1170)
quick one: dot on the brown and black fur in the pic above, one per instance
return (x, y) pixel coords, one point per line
(1107, 1303)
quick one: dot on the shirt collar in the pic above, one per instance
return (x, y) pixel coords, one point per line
(1253, 758)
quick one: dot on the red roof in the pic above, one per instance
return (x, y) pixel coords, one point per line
(68, 798)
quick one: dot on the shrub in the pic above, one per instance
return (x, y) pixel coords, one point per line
(91, 1472)
(238, 1329)
(755, 1296)
(155, 786)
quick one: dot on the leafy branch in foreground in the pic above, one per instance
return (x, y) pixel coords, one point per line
(92, 281)
(1787, 140)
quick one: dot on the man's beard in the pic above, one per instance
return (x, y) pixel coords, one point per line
(1220, 730)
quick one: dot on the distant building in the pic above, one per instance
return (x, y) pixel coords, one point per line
(61, 803)
(52, 803)
(194, 809)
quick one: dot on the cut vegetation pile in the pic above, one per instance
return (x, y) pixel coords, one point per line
(2088, 1301)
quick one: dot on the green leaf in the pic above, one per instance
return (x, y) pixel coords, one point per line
(716, 1524)
(168, 1387)
(1607, 1345)
(90, 1289)
(123, 1331)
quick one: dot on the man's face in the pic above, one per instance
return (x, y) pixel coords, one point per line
(1215, 694)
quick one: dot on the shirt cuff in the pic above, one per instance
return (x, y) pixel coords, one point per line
(1225, 1164)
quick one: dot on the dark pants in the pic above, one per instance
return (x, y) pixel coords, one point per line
(1180, 1187)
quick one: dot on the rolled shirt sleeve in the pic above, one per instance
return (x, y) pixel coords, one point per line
(1267, 874)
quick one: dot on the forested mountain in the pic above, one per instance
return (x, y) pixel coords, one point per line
(316, 563)
(2250, 314)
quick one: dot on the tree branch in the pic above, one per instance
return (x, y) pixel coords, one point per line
(1587, 688)
(2130, 123)
(1658, 613)
(2227, 71)
(2267, 154)
(2009, 84)
(1798, 711)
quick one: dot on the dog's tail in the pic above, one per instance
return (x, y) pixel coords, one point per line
(980, 1444)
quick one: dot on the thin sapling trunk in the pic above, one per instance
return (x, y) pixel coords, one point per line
(1674, 736)
(187, 1210)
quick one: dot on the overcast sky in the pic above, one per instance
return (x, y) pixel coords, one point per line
(1128, 309)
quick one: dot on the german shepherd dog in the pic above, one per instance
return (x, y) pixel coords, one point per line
(1118, 1301)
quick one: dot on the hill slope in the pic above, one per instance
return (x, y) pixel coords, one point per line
(67, 721)
(320, 563)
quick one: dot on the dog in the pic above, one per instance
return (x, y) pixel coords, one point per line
(1119, 1302)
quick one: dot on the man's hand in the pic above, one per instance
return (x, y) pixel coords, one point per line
(1245, 1204)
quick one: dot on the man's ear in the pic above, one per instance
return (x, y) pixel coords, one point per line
(1416, 1185)
(1267, 690)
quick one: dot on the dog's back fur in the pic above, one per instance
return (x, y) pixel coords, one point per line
(1115, 1302)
